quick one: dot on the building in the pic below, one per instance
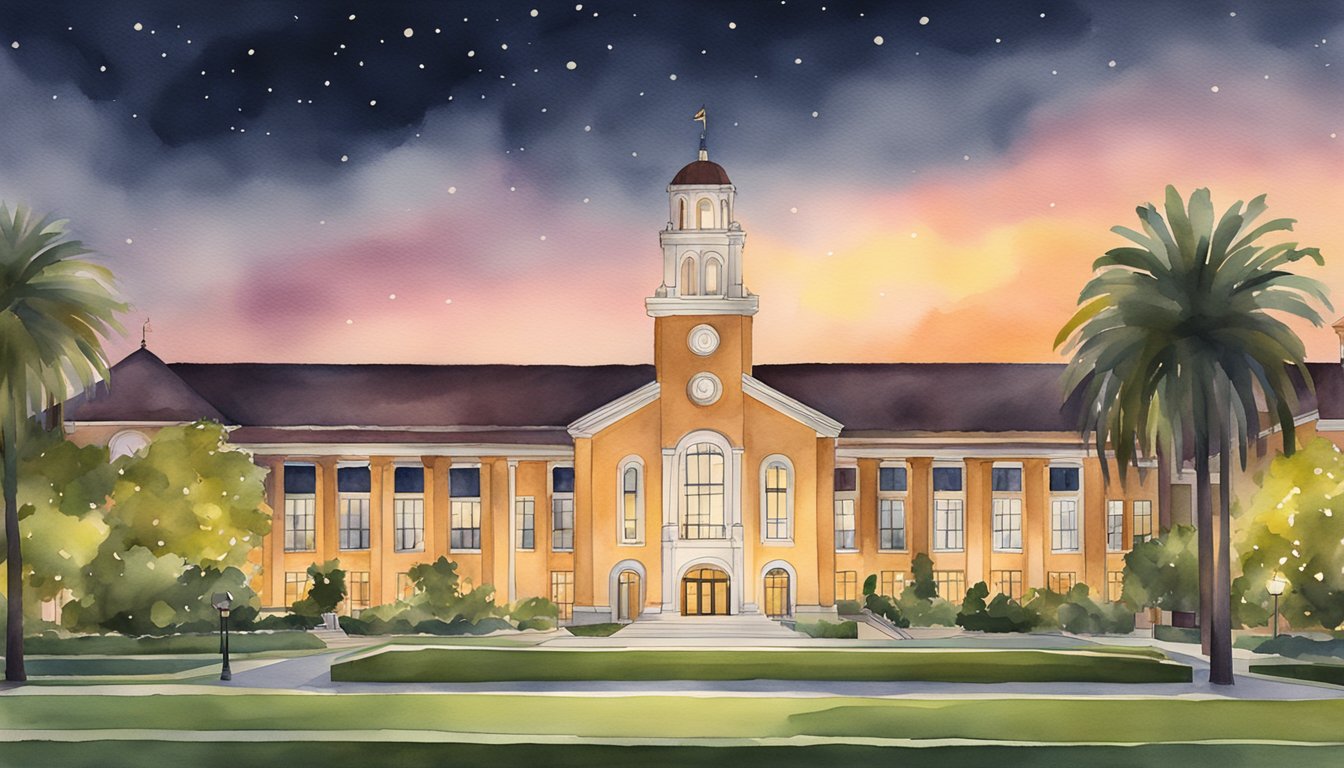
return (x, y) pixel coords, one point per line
(700, 484)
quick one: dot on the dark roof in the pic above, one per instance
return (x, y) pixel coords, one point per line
(141, 388)
(929, 397)
(702, 172)
(533, 403)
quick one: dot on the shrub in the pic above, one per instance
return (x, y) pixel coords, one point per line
(326, 592)
(926, 613)
(1002, 614)
(1045, 603)
(1163, 572)
(535, 613)
(1176, 634)
(1080, 614)
(882, 605)
(848, 607)
(1296, 646)
(924, 585)
(845, 630)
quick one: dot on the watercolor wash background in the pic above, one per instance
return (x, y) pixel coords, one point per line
(944, 203)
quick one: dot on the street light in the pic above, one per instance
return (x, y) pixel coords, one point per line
(1275, 587)
(223, 601)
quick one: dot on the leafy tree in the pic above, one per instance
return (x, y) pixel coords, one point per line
(882, 605)
(1001, 614)
(1293, 526)
(326, 590)
(535, 613)
(1171, 344)
(1163, 572)
(925, 586)
(1081, 614)
(55, 311)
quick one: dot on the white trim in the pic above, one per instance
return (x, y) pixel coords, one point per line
(598, 420)
(613, 586)
(824, 425)
(394, 450)
(787, 567)
(657, 306)
(954, 452)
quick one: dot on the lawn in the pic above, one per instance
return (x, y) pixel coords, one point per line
(685, 717)
(128, 754)
(1320, 673)
(479, 665)
(121, 645)
(61, 666)
(594, 630)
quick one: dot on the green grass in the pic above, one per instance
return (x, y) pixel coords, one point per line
(1172, 634)
(74, 665)
(134, 754)
(479, 665)
(594, 630)
(684, 717)
(1320, 673)
(121, 645)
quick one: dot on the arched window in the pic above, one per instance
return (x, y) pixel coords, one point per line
(702, 493)
(125, 443)
(630, 524)
(712, 277)
(777, 499)
(777, 593)
(724, 217)
(704, 214)
(688, 277)
(682, 218)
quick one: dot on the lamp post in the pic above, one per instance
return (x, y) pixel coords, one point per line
(1275, 587)
(223, 601)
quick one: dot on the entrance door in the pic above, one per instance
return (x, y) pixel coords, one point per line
(777, 593)
(627, 596)
(705, 592)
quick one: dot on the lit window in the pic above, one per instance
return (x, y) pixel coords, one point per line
(846, 585)
(632, 503)
(704, 214)
(464, 493)
(712, 276)
(1115, 585)
(687, 287)
(405, 586)
(702, 493)
(525, 522)
(1006, 484)
(1115, 525)
(352, 485)
(891, 583)
(951, 585)
(949, 510)
(1061, 581)
(778, 501)
(408, 508)
(297, 585)
(1143, 521)
(562, 593)
(357, 592)
(562, 509)
(777, 593)
(1006, 583)
(300, 507)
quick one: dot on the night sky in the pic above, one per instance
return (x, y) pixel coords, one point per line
(484, 182)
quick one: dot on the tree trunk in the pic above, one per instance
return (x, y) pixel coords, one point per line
(14, 671)
(1204, 523)
(1220, 627)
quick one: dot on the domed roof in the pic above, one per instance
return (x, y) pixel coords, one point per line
(702, 172)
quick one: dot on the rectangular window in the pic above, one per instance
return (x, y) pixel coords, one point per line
(1006, 583)
(951, 585)
(562, 593)
(464, 494)
(1006, 479)
(408, 508)
(525, 522)
(891, 583)
(1115, 585)
(891, 479)
(891, 523)
(846, 585)
(357, 592)
(1115, 525)
(949, 510)
(300, 507)
(846, 479)
(352, 486)
(1006, 508)
(1143, 521)
(405, 587)
(296, 586)
(844, 524)
(1061, 581)
(1064, 504)
(562, 509)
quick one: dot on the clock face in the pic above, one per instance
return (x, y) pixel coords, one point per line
(704, 388)
(703, 340)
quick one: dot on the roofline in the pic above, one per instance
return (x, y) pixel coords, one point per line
(451, 450)
(603, 417)
(822, 424)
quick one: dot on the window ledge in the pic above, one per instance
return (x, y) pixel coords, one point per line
(1078, 551)
(629, 544)
(563, 551)
(299, 551)
(949, 551)
(416, 551)
(522, 549)
(1016, 551)
(846, 551)
(777, 542)
(452, 551)
(893, 551)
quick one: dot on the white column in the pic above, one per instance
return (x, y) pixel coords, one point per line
(669, 565)
(513, 533)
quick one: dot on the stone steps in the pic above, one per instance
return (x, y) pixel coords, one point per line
(658, 626)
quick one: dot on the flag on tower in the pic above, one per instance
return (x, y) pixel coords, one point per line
(700, 115)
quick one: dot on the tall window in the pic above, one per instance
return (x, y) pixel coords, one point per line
(891, 583)
(300, 507)
(1006, 485)
(1061, 581)
(949, 510)
(562, 593)
(296, 586)
(1064, 487)
(891, 487)
(1006, 583)
(525, 522)
(464, 493)
(778, 501)
(702, 493)
(1115, 525)
(352, 485)
(562, 510)
(687, 287)
(1143, 521)
(357, 592)
(712, 276)
(632, 503)
(408, 508)
(951, 585)
(1115, 585)
(846, 488)
(704, 214)
(681, 203)
(777, 593)
(846, 585)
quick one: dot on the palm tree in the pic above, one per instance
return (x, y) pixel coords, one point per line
(1171, 344)
(55, 310)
